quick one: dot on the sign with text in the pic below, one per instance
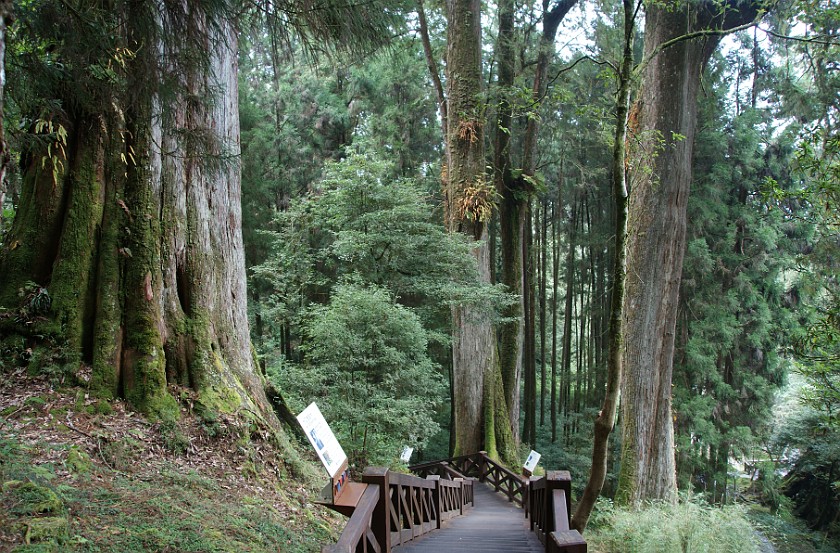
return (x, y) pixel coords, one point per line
(405, 456)
(531, 461)
(322, 439)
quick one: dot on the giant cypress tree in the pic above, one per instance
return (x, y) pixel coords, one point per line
(679, 39)
(482, 419)
(130, 208)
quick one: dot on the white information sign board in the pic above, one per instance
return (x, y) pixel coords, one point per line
(322, 439)
(531, 461)
(406, 454)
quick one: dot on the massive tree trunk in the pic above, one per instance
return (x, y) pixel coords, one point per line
(482, 419)
(513, 214)
(663, 135)
(137, 233)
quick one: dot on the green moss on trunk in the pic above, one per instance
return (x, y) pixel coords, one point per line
(143, 359)
(30, 249)
(73, 271)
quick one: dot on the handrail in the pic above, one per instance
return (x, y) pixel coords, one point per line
(437, 468)
(357, 535)
(480, 466)
(408, 507)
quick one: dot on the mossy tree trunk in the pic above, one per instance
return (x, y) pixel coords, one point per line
(136, 234)
(482, 419)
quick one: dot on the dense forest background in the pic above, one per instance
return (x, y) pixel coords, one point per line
(367, 266)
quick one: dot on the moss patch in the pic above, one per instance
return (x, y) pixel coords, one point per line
(78, 462)
(54, 529)
(28, 498)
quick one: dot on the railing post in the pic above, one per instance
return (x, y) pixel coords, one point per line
(556, 480)
(438, 499)
(380, 523)
(526, 495)
(482, 466)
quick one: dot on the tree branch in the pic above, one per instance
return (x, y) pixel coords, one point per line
(432, 64)
(691, 36)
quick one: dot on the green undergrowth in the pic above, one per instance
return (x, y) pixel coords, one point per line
(140, 490)
(789, 534)
(79, 505)
(691, 526)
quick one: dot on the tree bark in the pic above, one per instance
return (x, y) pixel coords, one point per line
(481, 416)
(138, 238)
(513, 212)
(663, 134)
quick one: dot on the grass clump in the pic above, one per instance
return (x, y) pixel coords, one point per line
(690, 526)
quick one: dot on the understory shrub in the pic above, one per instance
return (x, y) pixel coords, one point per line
(690, 526)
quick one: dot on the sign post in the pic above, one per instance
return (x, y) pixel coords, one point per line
(329, 451)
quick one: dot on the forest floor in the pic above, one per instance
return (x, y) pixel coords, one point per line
(80, 474)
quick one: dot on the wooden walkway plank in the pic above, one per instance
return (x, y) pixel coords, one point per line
(494, 525)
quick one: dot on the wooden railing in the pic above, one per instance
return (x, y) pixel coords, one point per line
(549, 506)
(408, 508)
(358, 535)
(397, 508)
(485, 469)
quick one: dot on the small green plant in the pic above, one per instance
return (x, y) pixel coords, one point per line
(35, 302)
(173, 437)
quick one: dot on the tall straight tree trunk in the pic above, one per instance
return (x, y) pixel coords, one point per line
(543, 288)
(530, 358)
(664, 139)
(555, 284)
(482, 420)
(566, 359)
(513, 215)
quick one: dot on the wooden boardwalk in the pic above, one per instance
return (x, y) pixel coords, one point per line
(494, 525)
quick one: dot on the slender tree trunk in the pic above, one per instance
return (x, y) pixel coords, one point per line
(555, 272)
(530, 361)
(432, 65)
(605, 421)
(566, 359)
(543, 288)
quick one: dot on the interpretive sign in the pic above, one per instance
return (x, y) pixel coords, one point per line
(531, 462)
(405, 456)
(322, 439)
